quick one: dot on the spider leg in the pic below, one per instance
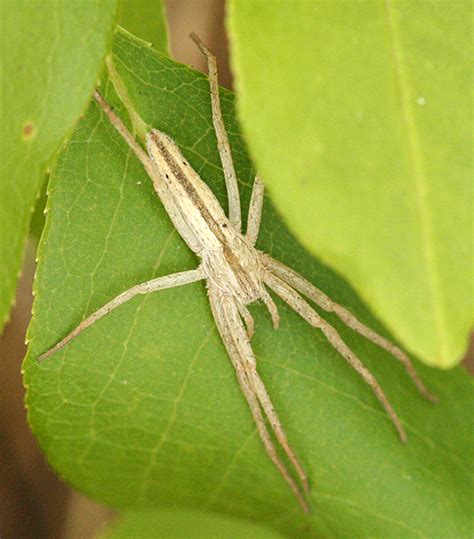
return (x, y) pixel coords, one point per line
(271, 306)
(160, 283)
(243, 345)
(222, 139)
(183, 228)
(296, 302)
(248, 319)
(240, 352)
(303, 286)
(255, 210)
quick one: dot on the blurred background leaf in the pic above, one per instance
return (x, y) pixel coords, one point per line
(143, 409)
(357, 116)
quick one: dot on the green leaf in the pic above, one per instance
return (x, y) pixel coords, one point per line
(146, 20)
(357, 116)
(144, 408)
(185, 524)
(52, 55)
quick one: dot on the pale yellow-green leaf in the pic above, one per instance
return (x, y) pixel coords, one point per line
(359, 116)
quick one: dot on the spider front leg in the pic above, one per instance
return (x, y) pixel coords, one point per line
(166, 198)
(298, 304)
(160, 283)
(222, 140)
(235, 339)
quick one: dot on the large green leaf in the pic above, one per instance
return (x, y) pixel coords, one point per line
(357, 114)
(52, 53)
(143, 409)
(185, 524)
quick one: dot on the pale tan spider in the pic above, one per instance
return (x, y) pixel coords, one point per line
(236, 273)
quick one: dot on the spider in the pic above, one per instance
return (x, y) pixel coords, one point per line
(236, 274)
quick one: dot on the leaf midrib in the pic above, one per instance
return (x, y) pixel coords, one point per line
(419, 176)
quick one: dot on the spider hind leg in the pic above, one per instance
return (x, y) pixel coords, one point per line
(304, 287)
(299, 305)
(235, 339)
